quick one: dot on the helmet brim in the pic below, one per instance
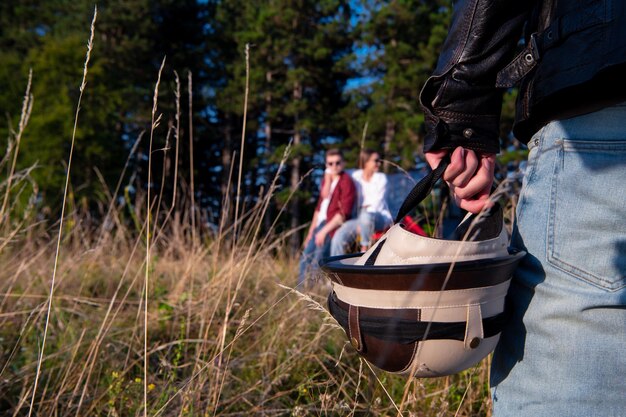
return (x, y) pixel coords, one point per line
(428, 277)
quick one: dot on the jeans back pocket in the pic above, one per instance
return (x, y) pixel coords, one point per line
(587, 222)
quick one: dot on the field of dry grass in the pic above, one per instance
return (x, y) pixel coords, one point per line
(105, 319)
(226, 334)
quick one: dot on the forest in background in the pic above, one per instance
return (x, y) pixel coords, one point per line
(124, 304)
(331, 73)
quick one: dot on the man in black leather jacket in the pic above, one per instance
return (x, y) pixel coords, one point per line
(564, 351)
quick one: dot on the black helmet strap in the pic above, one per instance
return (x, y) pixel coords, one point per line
(404, 331)
(422, 189)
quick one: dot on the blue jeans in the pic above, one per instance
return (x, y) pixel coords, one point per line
(564, 351)
(364, 226)
(312, 255)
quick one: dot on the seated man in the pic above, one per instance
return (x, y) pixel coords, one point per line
(334, 207)
(373, 213)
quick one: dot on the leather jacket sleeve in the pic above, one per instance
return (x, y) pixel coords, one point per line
(460, 100)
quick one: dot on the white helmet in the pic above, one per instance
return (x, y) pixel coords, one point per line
(422, 306)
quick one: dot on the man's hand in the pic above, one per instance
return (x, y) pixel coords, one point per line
(328, 180)
(307, 238)
(468, 175)
(320, 237)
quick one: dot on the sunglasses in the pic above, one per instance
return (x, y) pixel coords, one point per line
(333, 163)
(378, 161)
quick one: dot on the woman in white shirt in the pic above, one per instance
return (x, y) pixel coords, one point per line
(373, 213)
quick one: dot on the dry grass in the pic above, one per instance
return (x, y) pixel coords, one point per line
(150, 314)
(281, 353)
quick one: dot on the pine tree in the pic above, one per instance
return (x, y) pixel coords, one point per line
(399, 45)
(131, 39)
(298, 59)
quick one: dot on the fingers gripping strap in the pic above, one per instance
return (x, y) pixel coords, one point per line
(422, 189)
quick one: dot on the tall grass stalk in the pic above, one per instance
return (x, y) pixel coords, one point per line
(159, 199)
(191, 164)
(155, 122)
(27, 107)
(65, 190)
(243, 139)
(21, 178)
(229, 293)
(177, 139)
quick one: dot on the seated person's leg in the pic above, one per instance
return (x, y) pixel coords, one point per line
(381, 222)
(343, 238)
(307, 259)
(366, 224)
(317, 254)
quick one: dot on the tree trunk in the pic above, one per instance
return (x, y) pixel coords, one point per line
(390, 132)
(390, 125)
(269, 214)
(295, 174)
(227, 160)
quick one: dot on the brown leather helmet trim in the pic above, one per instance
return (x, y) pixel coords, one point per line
(354, 328)
(390, 357)
(465, 275)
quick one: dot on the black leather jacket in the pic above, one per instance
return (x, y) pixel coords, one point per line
(574, 62)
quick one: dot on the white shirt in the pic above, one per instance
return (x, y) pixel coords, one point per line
(372, 193)
(323, 213)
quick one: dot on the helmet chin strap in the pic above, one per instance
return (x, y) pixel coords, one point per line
(422, 189)
(417, 194)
